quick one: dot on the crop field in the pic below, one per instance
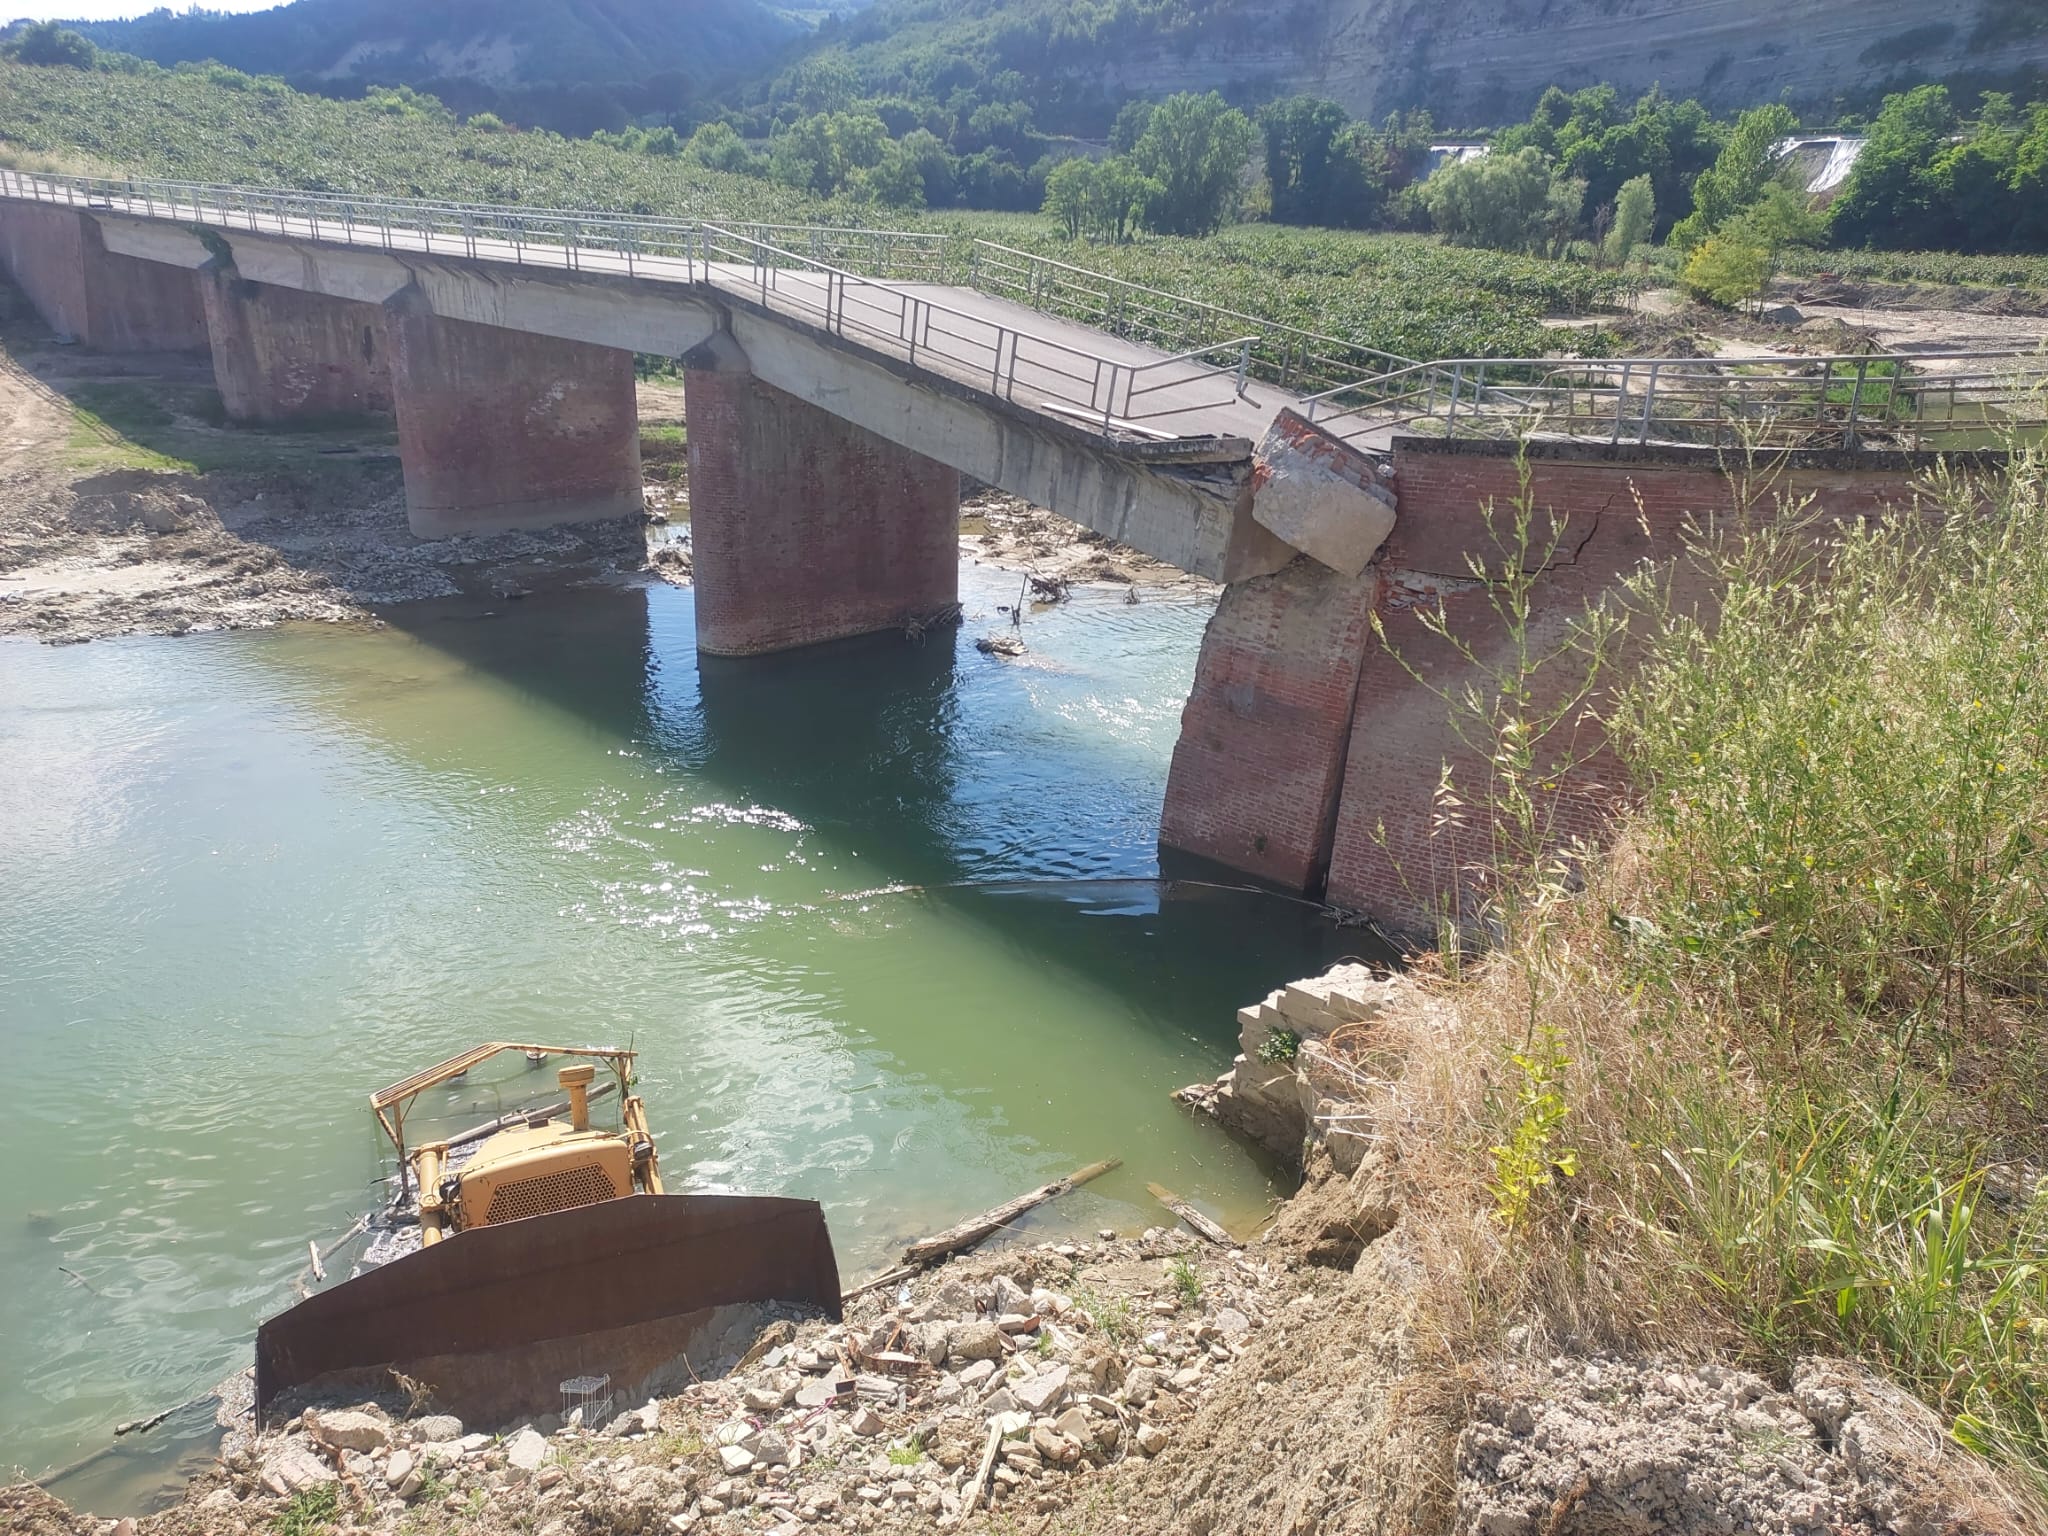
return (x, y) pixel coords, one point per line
(1948, 268)
(1403, 294)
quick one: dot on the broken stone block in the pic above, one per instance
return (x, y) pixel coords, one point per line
(349, 1429)
(525, 1451)
(1040, 1394)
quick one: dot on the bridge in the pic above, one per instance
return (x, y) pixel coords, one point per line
(838, 383)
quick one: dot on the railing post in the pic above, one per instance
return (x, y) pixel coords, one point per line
(1649, 399)
(1244, 366)
(1457, 384)
(1856, 402)
(1621, 401)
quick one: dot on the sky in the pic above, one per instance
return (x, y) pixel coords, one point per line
(106, 10)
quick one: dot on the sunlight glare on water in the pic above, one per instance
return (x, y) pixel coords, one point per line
(881, 920)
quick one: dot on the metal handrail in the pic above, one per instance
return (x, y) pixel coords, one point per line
(1008, 272)
(1907, 399)
(1108, 379)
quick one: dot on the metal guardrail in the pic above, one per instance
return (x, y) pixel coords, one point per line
(1895, 400)
(889, 288)
(1297, 360)
(853, 282)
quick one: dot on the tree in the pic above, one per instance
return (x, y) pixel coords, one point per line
(1588, 134)
(1746, 165)
(935, 168)
(1635, 216)
(1304, 166)
(1129, 126)
(803, 156)
(1726, 270)
(1563, 204)
(717, 148)
(1195, 149)
(894, 180)
(1119, 196)
(1892, 198)
(1069, 186)
(1497, 200)
(46, 43)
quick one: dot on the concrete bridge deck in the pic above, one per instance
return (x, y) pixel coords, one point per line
(1151, 448)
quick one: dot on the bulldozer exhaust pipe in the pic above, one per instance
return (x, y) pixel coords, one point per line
(575, 1082)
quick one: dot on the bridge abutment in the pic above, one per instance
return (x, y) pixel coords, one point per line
(503, 429)
(93, 296)
(806, 528)
(280, 354)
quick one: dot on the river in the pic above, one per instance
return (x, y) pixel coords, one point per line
(882, 921)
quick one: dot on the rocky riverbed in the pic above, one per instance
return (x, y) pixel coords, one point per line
(128, 507)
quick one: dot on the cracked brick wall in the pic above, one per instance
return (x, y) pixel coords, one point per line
(1399, 852)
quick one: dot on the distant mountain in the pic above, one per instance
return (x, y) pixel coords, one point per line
(492, 43)
(1471, 62)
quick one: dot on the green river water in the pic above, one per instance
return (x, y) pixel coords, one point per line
(881, 920)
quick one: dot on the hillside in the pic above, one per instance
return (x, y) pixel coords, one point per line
(502, 43)
(1470, 62)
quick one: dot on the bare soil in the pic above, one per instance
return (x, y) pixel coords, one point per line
(123, 509)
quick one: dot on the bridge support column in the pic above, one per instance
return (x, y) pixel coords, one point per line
(505, 429)
(280, 354)
(1259, 765)
(804, 527)
(90, 295)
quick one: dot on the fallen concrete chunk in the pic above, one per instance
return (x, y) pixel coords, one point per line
(349, 1429)
(438, 1426)
(525, 1451)
(294, 1467)
(1319, 494)
(735, 1459)
(1040, 1394)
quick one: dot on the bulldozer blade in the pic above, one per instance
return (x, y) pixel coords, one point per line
(493, 1319)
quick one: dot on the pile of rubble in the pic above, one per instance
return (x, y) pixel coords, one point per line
(1299, 1072)
(992, 1381)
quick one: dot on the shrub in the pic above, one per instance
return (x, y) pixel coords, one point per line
(1728, 271)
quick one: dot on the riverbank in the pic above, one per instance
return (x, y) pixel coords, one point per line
(1138, 1384)
(128, 507)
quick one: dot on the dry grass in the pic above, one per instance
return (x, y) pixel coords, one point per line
(1763, 1079)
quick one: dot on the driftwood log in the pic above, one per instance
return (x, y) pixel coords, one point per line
(1204, 1228)
(967, 1233)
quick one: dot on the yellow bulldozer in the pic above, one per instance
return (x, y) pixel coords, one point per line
(534, 1248)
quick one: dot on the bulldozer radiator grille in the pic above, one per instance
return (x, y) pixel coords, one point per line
(560, 1191)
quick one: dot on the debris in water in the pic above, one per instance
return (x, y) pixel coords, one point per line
(1000, 645)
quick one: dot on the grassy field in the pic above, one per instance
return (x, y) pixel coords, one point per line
(1400, 294)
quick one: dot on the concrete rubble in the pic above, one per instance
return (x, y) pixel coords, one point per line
(993, 1381)
(1303, 1054)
